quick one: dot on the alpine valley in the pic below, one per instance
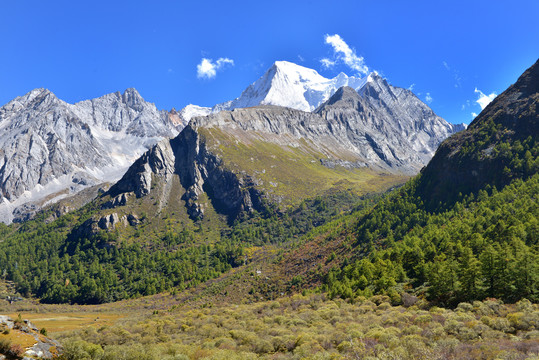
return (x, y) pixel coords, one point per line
(309, 218)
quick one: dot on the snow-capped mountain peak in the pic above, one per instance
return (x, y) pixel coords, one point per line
(291, 85)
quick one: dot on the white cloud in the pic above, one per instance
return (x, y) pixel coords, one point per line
(346, 54)
(208, 68)
(327, 63)
(411, 87)
(446, 66)
(301, 58)
(455, 74)
(474, 115)
(428, 98)
(483, 100)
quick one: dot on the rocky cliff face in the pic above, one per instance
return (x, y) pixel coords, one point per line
(50, 149)
(388, 126)
(199, 171)
(499, 145)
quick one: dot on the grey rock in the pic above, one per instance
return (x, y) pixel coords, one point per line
(199, 171)
(120, 200)
(133, 220)
(108, 222)
(48, 145)
(42, 347)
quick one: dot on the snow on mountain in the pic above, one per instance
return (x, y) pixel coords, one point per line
(291, 85)
(50, 149)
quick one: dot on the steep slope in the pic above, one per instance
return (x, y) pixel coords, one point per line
(247, 156)
(386, 124)
(499, 145)
(50, 149)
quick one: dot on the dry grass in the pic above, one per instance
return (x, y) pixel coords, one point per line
(19, 337)
(66, 321)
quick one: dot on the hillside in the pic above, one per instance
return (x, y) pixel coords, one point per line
(481, 241)
(500, 145)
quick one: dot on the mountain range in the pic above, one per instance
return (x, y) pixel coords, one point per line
(289, 217)
(52, 149)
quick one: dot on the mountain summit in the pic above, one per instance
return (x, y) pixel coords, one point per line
(291, 85)
(284, 84)
(50, 149)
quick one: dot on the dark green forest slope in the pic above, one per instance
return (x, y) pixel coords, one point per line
(56, 263)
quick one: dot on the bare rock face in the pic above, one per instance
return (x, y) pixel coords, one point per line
(50, 149)
(199, 171)
(120, 200)
(109, 222)
(388, 126)
(42, 348)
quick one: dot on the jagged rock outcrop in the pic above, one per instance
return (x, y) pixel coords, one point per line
(48, 147)
(120, 200)
(107, 222)
(199, 170)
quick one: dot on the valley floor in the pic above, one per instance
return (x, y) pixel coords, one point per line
(296, 327)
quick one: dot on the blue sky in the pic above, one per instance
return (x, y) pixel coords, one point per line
(444, 51)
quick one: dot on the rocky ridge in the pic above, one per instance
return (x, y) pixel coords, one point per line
(50, 149)
(382, 128)
(498, 146)
(24, 330)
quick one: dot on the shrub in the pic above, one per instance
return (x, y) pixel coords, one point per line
(521, 321)
(465, 307)
(16, 351)
(5, 345)
(81, 350)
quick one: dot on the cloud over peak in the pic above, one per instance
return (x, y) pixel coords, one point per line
(208, 68)
(483, 100)
(343, 52)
